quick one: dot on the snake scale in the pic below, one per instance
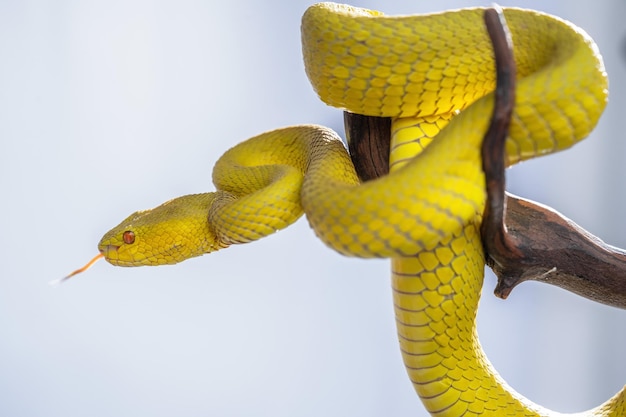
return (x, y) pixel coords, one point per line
(434, 75)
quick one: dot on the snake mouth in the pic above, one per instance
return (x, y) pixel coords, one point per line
(110, 253)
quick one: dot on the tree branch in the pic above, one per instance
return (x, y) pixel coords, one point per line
(493, 229)
(557, 251)
(369, 140)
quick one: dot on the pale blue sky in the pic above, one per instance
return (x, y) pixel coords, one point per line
(107, 107)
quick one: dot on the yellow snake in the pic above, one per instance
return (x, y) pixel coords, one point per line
(425, 72)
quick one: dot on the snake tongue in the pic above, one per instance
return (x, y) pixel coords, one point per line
(79, 270)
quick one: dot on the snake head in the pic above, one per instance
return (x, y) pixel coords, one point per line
(170, 233)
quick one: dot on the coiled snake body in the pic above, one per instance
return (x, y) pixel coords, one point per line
(427, 72)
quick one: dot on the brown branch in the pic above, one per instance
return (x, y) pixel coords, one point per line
(559, 252)
(523, 240)
(493, 229)
(369, 139)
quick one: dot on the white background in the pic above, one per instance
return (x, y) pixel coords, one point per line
(107, 107)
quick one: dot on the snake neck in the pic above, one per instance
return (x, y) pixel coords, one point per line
(267, 179)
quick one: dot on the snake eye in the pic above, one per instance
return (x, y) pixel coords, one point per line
(128, 237)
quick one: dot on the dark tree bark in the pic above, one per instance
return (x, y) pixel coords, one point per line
(368, 141)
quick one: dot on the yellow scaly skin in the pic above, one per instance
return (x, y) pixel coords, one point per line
(425, 215)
